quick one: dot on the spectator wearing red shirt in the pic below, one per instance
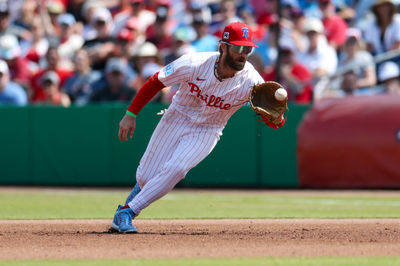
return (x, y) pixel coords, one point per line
(10, 52)
(335, 26)
(37, 92)
(294, 76)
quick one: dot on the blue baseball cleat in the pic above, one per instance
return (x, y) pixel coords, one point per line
(136, 189)
(114, 221)
(122, 221)
(118, 208)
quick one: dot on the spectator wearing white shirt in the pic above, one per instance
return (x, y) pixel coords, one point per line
(320, 58)
(69, 42)
(382, 33)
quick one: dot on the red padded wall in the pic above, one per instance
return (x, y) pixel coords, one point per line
(353, 142)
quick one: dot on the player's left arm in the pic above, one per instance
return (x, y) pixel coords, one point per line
(128, 123)
(149, 89)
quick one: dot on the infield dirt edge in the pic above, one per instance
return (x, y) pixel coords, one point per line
(89, 239)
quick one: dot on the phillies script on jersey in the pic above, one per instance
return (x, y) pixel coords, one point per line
(202, 99)
(211, 101)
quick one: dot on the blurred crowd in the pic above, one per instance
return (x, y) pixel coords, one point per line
(76, 52)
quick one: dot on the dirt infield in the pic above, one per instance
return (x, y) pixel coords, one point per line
(89, 239)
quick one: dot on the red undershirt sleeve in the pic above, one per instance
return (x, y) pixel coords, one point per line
(145, 94)
(272, 124)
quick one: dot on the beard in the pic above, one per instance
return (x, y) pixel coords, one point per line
(237, 64)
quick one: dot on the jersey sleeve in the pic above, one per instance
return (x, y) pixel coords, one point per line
(145, 94)
(176, 72)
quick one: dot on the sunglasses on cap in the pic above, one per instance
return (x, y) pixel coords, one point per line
(240, 49)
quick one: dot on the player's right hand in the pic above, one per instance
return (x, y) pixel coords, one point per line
(126, 126)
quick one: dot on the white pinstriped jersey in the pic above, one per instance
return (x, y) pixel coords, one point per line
(202, 99)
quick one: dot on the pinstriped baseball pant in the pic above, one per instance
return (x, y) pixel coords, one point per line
(174, 149)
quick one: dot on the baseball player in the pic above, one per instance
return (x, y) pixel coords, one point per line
(212, 86)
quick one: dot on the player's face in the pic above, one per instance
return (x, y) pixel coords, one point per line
(236, 56)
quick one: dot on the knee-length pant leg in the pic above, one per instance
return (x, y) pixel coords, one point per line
(190, 150)
(162, 145)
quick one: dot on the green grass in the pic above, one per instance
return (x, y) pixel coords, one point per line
(100, 204)
(340, 261)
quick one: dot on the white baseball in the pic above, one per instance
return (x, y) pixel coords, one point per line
(280, 94)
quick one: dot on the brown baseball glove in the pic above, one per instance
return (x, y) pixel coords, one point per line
(263, 101)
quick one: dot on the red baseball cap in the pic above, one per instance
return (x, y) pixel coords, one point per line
(238, 33)
(125, 35)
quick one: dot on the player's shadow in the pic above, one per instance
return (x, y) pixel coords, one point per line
(112, 231)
